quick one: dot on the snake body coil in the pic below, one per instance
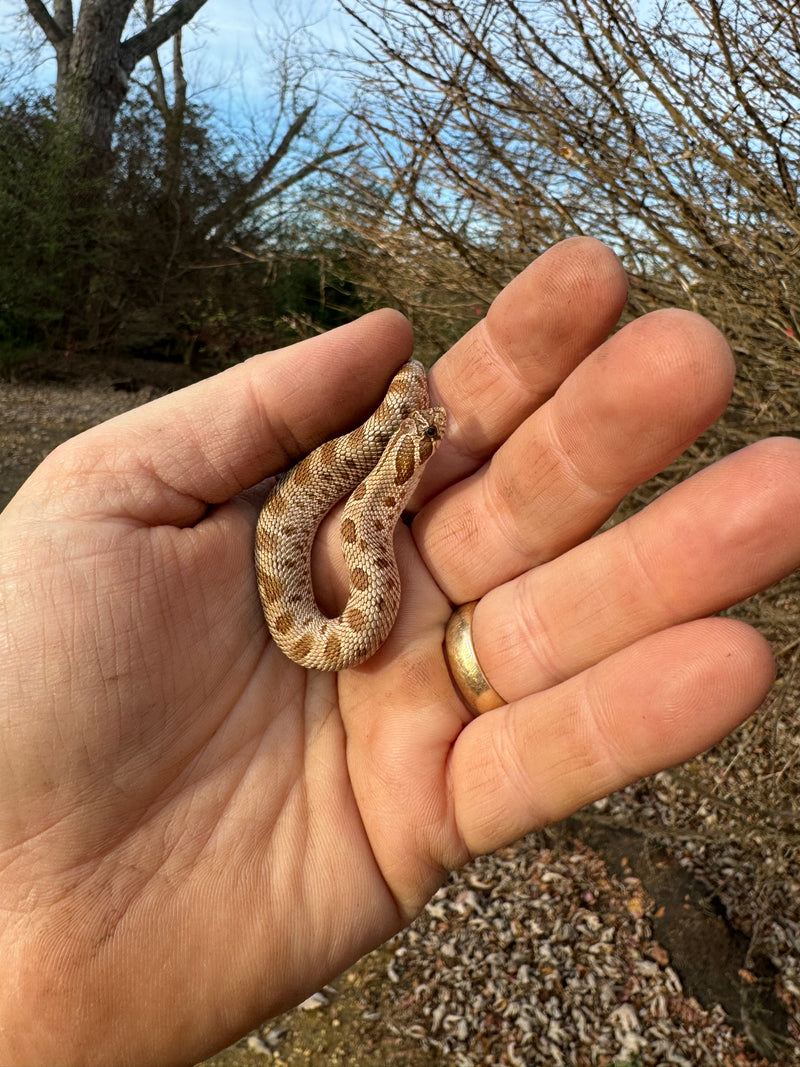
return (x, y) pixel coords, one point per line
(381, 461)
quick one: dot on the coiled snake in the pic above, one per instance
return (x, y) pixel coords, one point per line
(381, 461)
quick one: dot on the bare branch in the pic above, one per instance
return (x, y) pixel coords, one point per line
(246, 199)
(161, 30)
(497, 126)
(316, 164)
(232, 208)
(51, 29)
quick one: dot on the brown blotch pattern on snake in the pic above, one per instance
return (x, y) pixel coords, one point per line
(406, 458)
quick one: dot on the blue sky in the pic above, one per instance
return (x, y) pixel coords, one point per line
(226, 47)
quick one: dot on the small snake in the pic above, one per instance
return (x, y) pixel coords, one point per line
(381, 461)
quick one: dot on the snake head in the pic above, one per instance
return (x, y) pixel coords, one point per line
(427, 430)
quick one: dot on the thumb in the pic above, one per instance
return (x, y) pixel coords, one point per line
(168, 460)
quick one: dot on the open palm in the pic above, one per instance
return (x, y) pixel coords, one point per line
(195, 833)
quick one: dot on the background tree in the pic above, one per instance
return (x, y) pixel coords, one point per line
(202, 213)
(169, 225)
(94, 59)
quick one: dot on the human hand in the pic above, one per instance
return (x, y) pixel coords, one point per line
(195, 832)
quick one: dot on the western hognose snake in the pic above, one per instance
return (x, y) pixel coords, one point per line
(382, 461)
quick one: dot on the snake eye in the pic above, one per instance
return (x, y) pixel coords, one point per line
(430, 431)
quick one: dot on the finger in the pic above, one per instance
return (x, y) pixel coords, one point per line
(622, 415)
(652, 705)
(720, 536)
(206, 443)
(536, 331)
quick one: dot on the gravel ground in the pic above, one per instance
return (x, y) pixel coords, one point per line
(554, 952)
(533, 956)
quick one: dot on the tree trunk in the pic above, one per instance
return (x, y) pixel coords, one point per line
(94, 63)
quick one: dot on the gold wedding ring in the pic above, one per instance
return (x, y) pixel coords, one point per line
(463, 662)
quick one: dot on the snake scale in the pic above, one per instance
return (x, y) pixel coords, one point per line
(381, 463)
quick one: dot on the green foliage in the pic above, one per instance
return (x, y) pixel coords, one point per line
(46, 224)
(128, 256)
